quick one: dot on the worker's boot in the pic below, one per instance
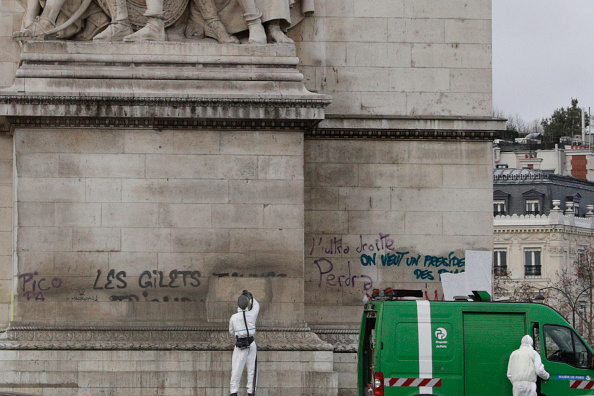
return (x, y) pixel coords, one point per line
(253, 18)
(154, 30)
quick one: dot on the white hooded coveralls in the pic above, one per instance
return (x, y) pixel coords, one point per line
(523, 367)
(247, 355)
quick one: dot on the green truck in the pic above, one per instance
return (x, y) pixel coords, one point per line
(414, 347)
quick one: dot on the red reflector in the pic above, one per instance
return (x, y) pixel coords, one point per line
(378, 384)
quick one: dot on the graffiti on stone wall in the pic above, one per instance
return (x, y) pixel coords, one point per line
(380, 251)
(33, 287)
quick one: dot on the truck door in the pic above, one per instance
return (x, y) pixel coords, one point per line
(569, 362)
(489, 339)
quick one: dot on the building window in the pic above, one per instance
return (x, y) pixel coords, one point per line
(532, 265)
(532, 207)
(499, 208)
(500, 262)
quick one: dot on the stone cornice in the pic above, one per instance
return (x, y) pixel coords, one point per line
(154, 338)
(399, 134)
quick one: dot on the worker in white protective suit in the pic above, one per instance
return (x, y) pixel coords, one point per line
(523, 367)
(243, 326)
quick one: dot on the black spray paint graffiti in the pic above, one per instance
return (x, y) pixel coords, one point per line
(270, 274)
(148, 279)
(33, 286)
(135, 298)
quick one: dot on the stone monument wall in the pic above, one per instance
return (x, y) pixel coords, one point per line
(147, 226)
(399, 57)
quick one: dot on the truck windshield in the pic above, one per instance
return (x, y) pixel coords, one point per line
(563, 345)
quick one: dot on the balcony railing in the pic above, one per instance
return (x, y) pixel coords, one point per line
(532, 270)
(500, 270)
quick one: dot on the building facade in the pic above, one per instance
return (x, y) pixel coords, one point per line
(542, 223)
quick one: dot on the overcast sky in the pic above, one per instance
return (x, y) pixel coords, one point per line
(543, 55)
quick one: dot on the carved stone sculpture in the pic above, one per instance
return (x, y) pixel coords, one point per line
(265, 20)
(253, 15)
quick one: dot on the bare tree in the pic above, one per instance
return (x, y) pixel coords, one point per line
(573, 293)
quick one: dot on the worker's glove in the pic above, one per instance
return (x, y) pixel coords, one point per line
(248, 295)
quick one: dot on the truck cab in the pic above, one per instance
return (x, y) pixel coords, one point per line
(413, 347)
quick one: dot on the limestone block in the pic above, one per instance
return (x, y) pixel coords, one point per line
(378, 9)
(80, 263)
(6, 193)
(283, 216)
(7, 71)
(41, 239)
(468, 223)
(341, 29)
(400, 175)
(425, 223)
(180, 261)
(357, 198)
(96, 239)
(469, 80)
(35, 261)
(78, 214)
(38, 165)
(343, 102)
(103, 190)
(470, 104)
(471, 56)
(5, 219)
(201, 167)
(468, 31)
(467, 176)
(321, 198)
(129, 214)
(196, 142)
(332, 175)
(51, 190)
(416, 30)
(145, 239)
(442, 200)
(266, 191)
(238, 216)
(266, 240)
(175, 191)
(317, 293)
(185, 240)
(280, 167)
(263, 143)
(102, 165)
(185, 215)
(379, 103)
(335, 315)
(69, 141)
(326, 222)
(334, 8)
(454, 9)
(420, 80)
(323, 54)
(376, 221)
(6, 267)
(349, 79)
(147, 141)
(393, 55)
(287, 290)
(134, 263)
(451, 153)
(6, 171)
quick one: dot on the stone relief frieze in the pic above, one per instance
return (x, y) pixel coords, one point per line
(257, 21)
